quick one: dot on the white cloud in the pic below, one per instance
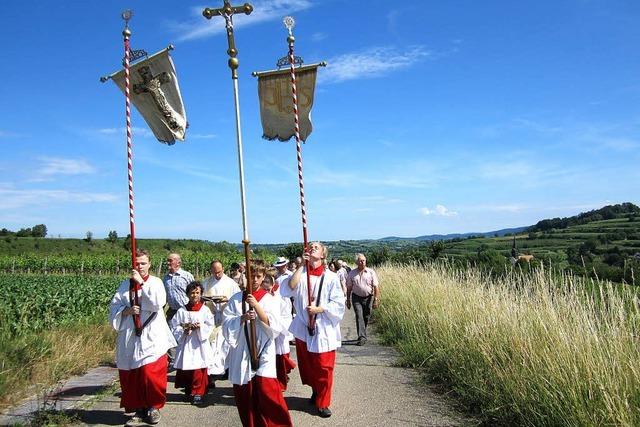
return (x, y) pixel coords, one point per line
(198, 27)
(440, 210)
(11, 198)
(122, 131)
(51, 167)
(202, 136)
(373, 62)
(319, 36)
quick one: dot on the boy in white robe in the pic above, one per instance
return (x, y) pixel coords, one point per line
(257, 391)
(191, 327)
(316, 351)
(143, 339)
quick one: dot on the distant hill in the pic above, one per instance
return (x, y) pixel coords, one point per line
(431, 237)
(607, 212)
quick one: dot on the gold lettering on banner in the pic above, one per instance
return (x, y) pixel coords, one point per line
(276, 94)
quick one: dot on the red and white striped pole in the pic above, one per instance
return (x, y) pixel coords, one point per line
(289, 22)
(133, 286)
(127, 87)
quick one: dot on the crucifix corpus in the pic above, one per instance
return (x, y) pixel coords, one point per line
(227, 12)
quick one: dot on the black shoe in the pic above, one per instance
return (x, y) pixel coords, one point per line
(196, 400)
(312, 399)
(324, 412)
(361, 341)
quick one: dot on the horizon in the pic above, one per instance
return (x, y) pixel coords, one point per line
(430, 118)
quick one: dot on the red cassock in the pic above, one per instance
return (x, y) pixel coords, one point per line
(316, 371)
(261, 404)
(284, 365)
(144, 387)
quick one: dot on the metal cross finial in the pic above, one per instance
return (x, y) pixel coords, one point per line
(227, 11)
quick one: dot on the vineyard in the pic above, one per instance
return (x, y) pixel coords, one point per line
(110, 264)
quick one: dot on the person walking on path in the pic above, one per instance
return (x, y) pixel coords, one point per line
(141, 352)
(219, 288)
(316, 350)
(175, 285)
(257, 393)
(191, 327)
(363, 291)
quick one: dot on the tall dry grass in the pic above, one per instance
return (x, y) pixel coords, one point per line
(32, 363)
(536, 349)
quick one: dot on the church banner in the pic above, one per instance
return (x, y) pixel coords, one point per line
(276, 102)
(156, 95)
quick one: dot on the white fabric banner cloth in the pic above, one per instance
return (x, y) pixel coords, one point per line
(156, 95)
(276, 103)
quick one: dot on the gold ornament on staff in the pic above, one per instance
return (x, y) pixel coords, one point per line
(227, 12)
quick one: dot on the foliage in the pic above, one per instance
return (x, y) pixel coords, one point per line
(607, 212)
(50, 327)
(542, 348)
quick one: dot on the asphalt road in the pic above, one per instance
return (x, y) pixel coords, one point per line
(368, 391)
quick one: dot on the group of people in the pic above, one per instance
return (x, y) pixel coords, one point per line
(213, 330)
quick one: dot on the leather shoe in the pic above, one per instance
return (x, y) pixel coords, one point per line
(361, 341)
(324, 412)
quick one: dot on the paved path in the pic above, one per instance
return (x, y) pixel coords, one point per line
(368, 391)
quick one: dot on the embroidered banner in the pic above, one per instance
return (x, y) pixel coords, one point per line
(276, 102)
(156, 95)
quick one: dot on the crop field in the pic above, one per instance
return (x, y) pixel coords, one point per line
(51, 327)
(105, 264)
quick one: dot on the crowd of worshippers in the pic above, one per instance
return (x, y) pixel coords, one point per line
(199, 330)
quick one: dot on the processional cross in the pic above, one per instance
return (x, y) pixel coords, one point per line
(227, 12)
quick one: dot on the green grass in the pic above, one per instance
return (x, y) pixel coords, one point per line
(538, 350)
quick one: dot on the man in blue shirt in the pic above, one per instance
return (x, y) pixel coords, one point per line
(175, 285)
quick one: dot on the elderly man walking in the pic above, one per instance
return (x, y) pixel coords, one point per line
(363, 291)
(219, 288)
(175, 286)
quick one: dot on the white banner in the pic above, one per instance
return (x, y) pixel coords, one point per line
(156, 95)
(276, 102)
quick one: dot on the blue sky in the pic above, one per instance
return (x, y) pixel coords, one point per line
(432, 117)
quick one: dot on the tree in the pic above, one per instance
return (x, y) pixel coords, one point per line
(127, 242)
(39, 230)
(112, 237)
(435, 249)
(291, 251)
(24, 232)
(89, 237)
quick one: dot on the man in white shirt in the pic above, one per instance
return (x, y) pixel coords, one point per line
(362, 289)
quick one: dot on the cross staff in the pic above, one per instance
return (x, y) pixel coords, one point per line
(227, 12)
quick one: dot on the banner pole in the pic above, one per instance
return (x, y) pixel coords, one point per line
(133, 286)
(227, 12)
(289, 23)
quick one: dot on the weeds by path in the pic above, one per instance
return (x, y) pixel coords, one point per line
(536, 349)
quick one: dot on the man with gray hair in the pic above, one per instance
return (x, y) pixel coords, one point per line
(175, 285)
(363, 291)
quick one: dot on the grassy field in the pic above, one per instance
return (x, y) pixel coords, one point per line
(539, 350)
(51, 327)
